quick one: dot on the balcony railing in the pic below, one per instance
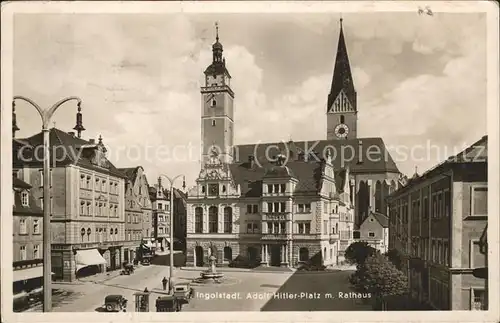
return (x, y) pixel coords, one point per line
(333, 237)
(276, 216)
(276, 236)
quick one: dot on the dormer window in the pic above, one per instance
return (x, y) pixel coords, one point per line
(24, 198)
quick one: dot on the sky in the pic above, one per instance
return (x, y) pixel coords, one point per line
(421, 80)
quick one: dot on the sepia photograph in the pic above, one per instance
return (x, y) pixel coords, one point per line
(256, 161)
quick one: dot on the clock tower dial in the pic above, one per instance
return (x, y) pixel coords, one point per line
(341, 130)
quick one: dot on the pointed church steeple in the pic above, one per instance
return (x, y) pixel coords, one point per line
(342, 76)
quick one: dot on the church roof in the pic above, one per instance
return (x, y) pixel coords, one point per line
(342, 76)
(65, 147)
(363, 155)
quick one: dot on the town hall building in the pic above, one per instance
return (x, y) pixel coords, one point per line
(278, 204)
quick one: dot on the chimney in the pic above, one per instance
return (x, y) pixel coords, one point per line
(71, 133)
(251, 161)
(279, 160)
(92, 141)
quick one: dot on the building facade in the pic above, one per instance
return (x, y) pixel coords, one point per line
(138, 212)
(160, 201)
(436, 222)
(161, 215)
(27, 240)
(279, 203)
(375, 231)
(87, 202)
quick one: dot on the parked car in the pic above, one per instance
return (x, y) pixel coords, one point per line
(115, 303)
(145, 262)
(168, 303)
(183, 292)
(244, 262)
(309, 266)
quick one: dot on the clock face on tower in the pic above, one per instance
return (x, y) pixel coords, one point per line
(341, 130)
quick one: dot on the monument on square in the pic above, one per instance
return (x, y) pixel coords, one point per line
(211, 275)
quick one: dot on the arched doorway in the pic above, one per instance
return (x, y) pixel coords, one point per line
(303, 254)
(198, 251)
(228, 254)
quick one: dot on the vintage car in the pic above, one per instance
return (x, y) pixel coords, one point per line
(127, 269)
(146, 262)
(168, 303)
(183, 292)
(115, 303)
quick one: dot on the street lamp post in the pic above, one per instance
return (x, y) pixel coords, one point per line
(46, 116)
(171, 181)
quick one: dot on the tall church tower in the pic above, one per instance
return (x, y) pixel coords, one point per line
(342, 112)
(217, 108)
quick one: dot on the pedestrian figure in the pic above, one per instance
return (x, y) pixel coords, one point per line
(164, 283)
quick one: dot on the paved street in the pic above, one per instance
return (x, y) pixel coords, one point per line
(314, 291)
(240, 291)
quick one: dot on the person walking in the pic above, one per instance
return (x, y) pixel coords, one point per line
(164, 283)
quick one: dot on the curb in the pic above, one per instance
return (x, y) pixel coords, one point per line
(244, 270)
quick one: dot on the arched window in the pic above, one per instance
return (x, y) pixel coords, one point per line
(203, 189)
(212, 219)
(82, 231)
(303, 254)
(342, 119)
(223, 188)
(228, 254)
(228, 219)
(214, 103)
(198, 220)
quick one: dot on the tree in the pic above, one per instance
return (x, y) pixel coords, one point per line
(379, 277)
(395, 256)
(358, 251)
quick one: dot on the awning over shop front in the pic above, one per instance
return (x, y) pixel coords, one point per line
(28, 273)
(88, 257)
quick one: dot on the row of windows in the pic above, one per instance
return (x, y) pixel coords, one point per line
(213, 223)
(23, 226)
(100, 184)
(165, 207)
(276, 207)
(23, 254)
(134, 218)
(276, 188)
(134, 235)
(164, 230)
(437, 251)
(101, 234)
(441, 206)
(163, 218)
(100, 209)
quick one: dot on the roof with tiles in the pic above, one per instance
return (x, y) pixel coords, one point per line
(364, 155)
(251, 177)
(381, 218)
(65, 150)
(475, 153)
(19, 209)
